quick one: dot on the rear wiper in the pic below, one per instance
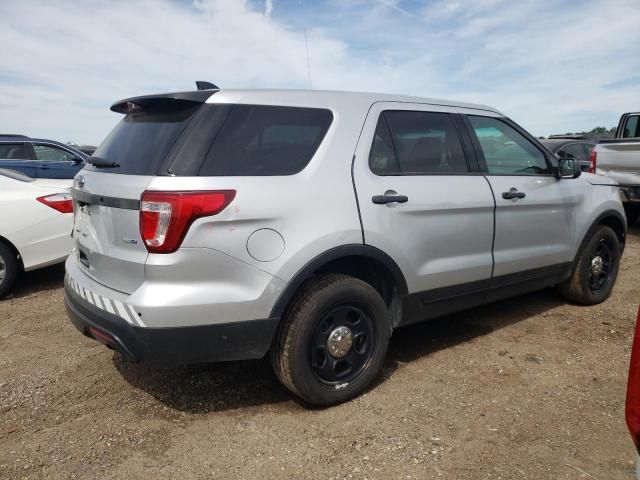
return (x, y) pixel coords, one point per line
(101, 162)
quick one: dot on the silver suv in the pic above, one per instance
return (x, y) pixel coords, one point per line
(227, 224)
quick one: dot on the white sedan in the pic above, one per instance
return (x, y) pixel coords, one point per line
(36, 218)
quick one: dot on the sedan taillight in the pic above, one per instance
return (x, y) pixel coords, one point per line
(61, 202)
(632, 407)
(165, 217)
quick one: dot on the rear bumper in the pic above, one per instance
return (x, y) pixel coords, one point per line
(202, 343)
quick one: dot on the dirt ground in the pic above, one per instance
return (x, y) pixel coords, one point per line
(526, 388)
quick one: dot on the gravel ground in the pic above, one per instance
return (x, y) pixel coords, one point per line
(526, 388)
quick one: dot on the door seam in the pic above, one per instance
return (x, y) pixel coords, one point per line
(493, 240)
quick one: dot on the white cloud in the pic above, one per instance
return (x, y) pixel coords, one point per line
(547, 66)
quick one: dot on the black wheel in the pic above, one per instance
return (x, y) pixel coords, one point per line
(333, 341)
(596, 269)
(633, 213)
(8, 269)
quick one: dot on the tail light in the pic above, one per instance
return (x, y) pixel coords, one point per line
(61, 202)
(165, 217)
(593, 160)
(632, 407)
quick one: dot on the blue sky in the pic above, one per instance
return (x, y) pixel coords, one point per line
(553, 66)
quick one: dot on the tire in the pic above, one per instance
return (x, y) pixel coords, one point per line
(8, 269)
(302, 356)
(633, 213)
(585, 286)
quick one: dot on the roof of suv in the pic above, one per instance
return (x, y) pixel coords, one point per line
(328, 97)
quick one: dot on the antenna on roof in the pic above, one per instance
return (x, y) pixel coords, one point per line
(202, 85)
(306, 44)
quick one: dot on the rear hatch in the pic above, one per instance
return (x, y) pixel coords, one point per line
(107, 197)
(177, 135)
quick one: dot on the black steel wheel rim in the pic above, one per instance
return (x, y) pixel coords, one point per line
(336, 370)
(600, 278)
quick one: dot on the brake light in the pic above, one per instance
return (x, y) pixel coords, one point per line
(61, 202)
(165, 217)
(632, 407)
(593, 160)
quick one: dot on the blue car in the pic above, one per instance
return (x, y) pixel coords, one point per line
(39, 158)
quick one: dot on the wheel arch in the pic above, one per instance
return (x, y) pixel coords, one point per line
(13, 248)
(615, 220)
(610, 218)
(361, 261)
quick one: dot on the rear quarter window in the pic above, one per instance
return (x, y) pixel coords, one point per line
(258, 140)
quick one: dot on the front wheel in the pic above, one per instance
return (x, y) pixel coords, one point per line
(333, 341)
(596, 269)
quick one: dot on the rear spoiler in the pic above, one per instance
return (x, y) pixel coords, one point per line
(205, 90)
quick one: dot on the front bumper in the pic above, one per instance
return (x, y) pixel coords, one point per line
(242, 340)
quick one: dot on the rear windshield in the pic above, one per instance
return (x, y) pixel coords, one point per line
(216, 140)
(140, 142)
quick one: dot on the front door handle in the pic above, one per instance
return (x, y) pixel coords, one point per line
(389, 198)
(513, 193)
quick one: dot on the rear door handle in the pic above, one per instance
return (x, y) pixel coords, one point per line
(389, 198)
(513, 193)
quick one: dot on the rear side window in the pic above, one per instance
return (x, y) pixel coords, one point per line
(45, 152)
(13, 151)
(141, 141)
(414, 143)
(266, 140)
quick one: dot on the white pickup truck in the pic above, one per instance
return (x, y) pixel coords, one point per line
(619, 158)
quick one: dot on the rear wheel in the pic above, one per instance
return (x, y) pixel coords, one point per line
(8, 269)
(596, 269)
(633, 213)
(333, 341)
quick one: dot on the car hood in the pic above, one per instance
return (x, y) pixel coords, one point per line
(594, 179)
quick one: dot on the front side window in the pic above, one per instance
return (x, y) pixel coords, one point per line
(506, 151)
(632, 127)
(53, 154)
(266, 140)
(414, 143)
(13, 151)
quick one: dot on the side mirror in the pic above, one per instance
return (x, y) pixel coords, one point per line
(568, 168)
(77, 160)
